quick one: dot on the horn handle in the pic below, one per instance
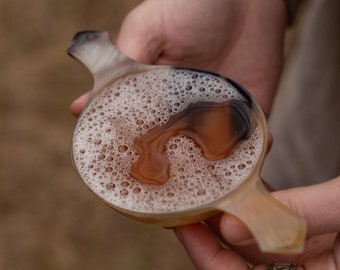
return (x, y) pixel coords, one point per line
(97, 52)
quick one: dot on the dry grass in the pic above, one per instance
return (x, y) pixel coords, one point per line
(48, 218)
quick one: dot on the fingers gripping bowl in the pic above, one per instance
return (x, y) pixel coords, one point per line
(173, 146)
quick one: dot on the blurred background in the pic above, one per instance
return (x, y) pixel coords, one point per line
(48, 218)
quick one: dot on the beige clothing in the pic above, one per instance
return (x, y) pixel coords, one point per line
(305, 120)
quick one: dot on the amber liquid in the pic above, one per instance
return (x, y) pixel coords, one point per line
(215, 127)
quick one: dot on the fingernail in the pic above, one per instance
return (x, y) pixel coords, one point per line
(81, 99)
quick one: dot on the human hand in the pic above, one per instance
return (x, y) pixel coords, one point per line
(240, 39)
(319, 204)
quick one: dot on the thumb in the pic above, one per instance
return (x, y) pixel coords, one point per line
(319, 204)
(140, 36)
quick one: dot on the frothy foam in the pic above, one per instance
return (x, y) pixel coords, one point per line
(103, 139)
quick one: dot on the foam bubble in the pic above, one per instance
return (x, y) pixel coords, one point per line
(103, 142)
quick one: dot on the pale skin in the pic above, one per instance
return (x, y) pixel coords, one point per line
(243, 40)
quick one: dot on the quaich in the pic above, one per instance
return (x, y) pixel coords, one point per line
(173, 146)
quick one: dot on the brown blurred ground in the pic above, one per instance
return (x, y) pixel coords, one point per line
(48, 218)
